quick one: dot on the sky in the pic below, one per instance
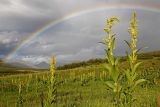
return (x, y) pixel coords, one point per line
(75, 38)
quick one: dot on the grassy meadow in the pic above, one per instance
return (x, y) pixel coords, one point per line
(79, 87)
(131, 81)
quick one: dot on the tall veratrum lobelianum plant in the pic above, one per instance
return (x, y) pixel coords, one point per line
(131, 72)
(112, 67)
(122, 89)
(52, 88)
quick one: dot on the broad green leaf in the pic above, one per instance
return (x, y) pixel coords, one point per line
(139, 81)
(110, 84)
(113, 43)
(119, 88)
(135, 51)
(140, 49)
(102, 43)
(110, 58)
(130, 61)
(127, 73)
(117, 61)
(115, 73)
(134, 76)
(129, 57)
(113, 60)
(108, 68)
(136, 66)
(129, 45)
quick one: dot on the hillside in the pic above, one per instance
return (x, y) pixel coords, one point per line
(149, 55)
(141, 56)
(83, 86)
(151, 59)
(42, 65)
(11, 69)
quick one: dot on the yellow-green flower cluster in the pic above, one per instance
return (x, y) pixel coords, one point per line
(51, 84)
(110, 23)
(52, 66)
(133, 31)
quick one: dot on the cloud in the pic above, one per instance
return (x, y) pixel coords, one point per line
(74, 39)
(8, 41)
(34, 59)
(5, 2)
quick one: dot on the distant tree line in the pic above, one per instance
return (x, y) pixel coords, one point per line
(141, 56)
(82, 63)
(149, 55)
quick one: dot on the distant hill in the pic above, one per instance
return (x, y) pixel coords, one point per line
(141, 56)
(20, 64)
(7, 70)
(1, 62)
(42, 65)
(149, 55)
(16, 68)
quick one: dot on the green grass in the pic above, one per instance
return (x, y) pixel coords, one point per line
(92, 94)
(82, 86)
(79, 87)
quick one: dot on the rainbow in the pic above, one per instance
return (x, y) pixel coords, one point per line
(49, 24)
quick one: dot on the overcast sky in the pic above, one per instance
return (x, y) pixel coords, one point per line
(74, 39)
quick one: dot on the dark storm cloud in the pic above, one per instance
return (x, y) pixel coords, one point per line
(75, 39)
(8, 41)
(6, 48)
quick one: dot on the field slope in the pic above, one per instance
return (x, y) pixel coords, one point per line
(81, 86)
